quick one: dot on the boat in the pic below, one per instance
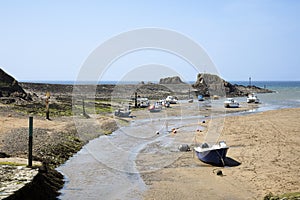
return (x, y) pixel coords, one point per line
(171, 99)
(212, 154)
(157, 107)
(252, 98)
(143, 102)
(163, 103)
(122, 113)
(231, 103)
(200, 97)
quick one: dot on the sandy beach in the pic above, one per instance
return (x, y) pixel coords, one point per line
(267, 146)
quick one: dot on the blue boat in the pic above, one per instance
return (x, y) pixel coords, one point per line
(200, 97)
(214, 154)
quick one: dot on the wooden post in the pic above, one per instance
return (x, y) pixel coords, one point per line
(30, 141)
(135, 100)
(47, 105)
(83, 107)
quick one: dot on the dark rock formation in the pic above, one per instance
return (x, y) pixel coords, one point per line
(10, 90)
(210, 84)
(170, 80)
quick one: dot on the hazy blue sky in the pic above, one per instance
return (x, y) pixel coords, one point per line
(50, 40)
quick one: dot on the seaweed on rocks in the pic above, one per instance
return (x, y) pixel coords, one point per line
(45, 185)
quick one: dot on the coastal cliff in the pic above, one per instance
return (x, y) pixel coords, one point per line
(10, 90)
(207, 84)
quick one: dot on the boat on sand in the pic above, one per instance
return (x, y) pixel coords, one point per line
(212, 154)
(231, 103)
(171, 99)
(122, 113)
(252, 98)
(157, 107)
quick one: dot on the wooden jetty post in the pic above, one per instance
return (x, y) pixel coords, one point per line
(135, 100)
(47, 105)
(83, 107)
(30, 141)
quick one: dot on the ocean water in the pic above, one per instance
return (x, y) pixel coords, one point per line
(286, 94)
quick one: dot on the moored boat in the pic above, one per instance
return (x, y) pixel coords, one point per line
(252, 98)
(212, 154)
(200, 97)
(122, 113)
(171, 99)
(231, 103)
(143, 102)
(157, 107)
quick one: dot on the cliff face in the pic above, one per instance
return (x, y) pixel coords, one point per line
(209, 84)
(10, 90)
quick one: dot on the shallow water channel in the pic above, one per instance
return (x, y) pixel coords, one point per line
(106, 167)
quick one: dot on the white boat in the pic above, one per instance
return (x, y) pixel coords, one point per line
(171, 99)
(252, 98)
(143, 102)
(231, 103)
(163, 103)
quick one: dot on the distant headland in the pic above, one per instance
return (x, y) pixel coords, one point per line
(12, 91)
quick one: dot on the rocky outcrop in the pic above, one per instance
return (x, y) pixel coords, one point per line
(210, 84)
(10, 90)
(171, 80)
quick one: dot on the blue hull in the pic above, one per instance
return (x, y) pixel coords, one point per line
(213, 157)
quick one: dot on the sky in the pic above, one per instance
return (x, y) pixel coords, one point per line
(52, 40)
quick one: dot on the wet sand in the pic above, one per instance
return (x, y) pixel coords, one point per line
(267, 146)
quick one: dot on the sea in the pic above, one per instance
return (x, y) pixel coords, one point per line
(286, 94)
